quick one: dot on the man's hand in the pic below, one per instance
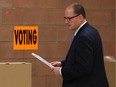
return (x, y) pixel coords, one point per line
(56, 71)
(56, 64)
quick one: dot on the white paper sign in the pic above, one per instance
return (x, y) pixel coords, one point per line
(42, 60)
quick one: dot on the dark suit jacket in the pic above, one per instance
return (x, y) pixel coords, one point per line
(84, 63)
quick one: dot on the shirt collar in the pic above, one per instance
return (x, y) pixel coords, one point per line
(79, 28)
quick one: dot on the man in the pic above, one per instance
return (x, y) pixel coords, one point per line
(84, 64)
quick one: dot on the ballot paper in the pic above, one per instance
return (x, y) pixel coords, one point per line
(42, 60)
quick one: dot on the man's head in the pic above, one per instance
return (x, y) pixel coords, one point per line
(74, 15)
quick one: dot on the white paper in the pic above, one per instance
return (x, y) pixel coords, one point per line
(42, 60)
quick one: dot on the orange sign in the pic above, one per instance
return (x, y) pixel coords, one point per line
(25, 37)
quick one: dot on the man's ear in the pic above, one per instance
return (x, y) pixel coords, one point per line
(80, 17)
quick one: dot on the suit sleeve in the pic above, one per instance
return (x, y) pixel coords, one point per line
(84, 60)
(63, 63)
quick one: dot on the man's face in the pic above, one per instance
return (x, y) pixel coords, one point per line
(71, 19)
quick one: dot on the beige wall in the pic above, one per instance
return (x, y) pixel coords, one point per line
(54, 37)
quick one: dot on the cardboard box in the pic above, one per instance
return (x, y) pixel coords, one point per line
(15, 74)
(111, 73)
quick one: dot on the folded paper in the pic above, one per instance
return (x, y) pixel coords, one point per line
(42, 60)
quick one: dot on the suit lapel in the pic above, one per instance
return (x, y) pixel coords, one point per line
(81, 29)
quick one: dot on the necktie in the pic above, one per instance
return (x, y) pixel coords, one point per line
(73, 37)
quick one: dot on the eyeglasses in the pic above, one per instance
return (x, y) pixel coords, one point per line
(69, 18)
